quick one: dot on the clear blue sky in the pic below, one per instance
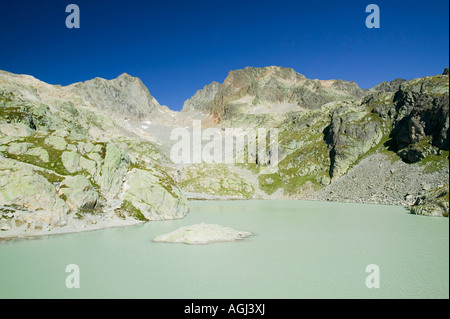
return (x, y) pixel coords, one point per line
(176, 47)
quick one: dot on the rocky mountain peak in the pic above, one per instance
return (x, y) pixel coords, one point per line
(253, 90)
(125, 96)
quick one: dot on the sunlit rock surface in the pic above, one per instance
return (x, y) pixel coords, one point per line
(201, 234)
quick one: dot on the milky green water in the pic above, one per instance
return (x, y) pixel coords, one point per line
(300, 249)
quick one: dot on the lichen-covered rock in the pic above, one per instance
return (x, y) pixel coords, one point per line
(16, 130)
(19, 148)
(56, 142)
(79, 192)
(20, 185)
(153, 197)
(349, 136)
(88, 165)
(39, 152)
(113, 171)
(71, 161)
(385, 86)
(214, 179)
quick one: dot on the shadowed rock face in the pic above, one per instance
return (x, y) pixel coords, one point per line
(349, 136)
(422, 112)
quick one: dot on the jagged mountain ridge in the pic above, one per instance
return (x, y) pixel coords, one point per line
(255, 90)
(125, 96)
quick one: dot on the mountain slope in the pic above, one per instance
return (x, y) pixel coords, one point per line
(68, 163)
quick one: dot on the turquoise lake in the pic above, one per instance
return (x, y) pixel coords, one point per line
(300, 249)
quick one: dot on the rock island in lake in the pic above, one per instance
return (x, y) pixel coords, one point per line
(202, 234)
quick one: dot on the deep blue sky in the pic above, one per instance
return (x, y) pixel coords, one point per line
(176, 47)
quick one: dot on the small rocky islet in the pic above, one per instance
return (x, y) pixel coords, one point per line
(201, 234)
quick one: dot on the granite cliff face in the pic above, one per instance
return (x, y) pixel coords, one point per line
(95, 154)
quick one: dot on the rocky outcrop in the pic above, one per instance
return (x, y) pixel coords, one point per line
(433, 203)
(154, 195)
(422, 121)
(203, 99)
(79, 192)
(24, 186)
(214, 179)
(350, 135)
(385, 86)
(115, 165)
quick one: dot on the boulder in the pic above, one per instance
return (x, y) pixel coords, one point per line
(39, 152)
(79, 192)
(71, 161)
(88, 165)
(19, 148)
(56, 142)
(16, 130)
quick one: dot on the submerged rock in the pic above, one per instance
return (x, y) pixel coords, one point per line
(200, 234)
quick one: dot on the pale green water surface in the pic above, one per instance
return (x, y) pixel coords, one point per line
(300, 249)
